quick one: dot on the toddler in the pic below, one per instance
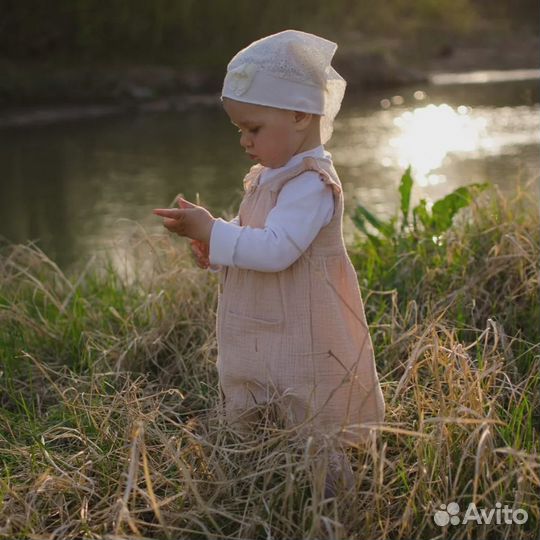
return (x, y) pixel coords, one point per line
(290, 318)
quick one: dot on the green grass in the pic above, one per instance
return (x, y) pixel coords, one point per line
(110, 417)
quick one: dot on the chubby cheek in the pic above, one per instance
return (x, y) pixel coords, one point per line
(264, 148)
(276, 156)
(278, 146)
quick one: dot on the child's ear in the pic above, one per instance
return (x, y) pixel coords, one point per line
(302, 119)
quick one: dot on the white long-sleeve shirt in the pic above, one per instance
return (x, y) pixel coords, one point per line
(304, 205)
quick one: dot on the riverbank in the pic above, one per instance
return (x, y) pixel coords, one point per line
(109, 416)
(38, 94)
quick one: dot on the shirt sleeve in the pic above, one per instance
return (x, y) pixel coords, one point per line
(304, 206)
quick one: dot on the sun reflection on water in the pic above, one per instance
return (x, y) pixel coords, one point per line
(426, 135)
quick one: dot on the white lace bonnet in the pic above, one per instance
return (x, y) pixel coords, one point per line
(288, 70)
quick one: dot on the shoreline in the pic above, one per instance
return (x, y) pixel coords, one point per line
(45, 115)
(40, 96)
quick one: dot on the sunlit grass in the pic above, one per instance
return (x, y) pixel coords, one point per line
(110, 414)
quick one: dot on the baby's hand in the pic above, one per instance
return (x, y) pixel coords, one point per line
(190, 220)
(200, 251)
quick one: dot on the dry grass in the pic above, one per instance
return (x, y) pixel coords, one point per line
(111, 422)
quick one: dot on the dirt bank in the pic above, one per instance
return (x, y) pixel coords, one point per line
(42, 94)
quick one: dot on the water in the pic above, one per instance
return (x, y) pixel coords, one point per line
(77, 187)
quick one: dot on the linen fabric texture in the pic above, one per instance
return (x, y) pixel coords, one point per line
(300, 333)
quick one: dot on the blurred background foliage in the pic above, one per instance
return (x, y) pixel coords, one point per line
(206, 33)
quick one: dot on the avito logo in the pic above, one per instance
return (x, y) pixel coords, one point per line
(449, 513)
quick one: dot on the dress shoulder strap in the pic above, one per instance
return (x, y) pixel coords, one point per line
(324, 168)
(309, 163)
(252, 177)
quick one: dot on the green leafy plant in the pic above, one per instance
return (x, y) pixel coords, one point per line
(397, 253)
(425, 222)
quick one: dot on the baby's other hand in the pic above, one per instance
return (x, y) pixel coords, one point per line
(200, 251)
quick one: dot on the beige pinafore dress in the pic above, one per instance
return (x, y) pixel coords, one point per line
(300, 333)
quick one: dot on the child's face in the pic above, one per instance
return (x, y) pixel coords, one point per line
(268, 135)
